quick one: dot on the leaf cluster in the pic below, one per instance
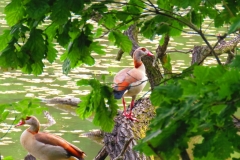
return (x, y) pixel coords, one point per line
(100, 102)
(200, 105)
(25, 107)
(35, 26)
(27, 43)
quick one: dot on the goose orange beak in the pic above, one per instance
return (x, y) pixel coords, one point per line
(150, 54)
(22, 122)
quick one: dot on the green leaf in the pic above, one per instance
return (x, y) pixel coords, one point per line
(203, 148)
(236, 62)
(96, 47)
(98, 33)
(235, 25)
(148, 29)
(14, 12)
(28, 107)
(122, 41)
(218, 108)
(8, 158)
(219, 20)
(201, 73)
(51, 31)
(89, 60)
(83, 82)
(37, 9)
(60, 12)
(224, 91)
(111, 37)
(166, 93)
(85, 108)
(79, 51)
(51, 52)
(2, 108)
(35, 45)
(104, 120)
(99, 101)
(109, 21)
(9, 58)
(135, 7)
(220, 143)
(76, 5)
(4, 115)
(4, 39)
(64, 33)
(122, 16)
(176, 29)
(37, 68)
(168, 64)
(196, 18)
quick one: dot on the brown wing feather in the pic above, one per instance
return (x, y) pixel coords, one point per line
(54, 140)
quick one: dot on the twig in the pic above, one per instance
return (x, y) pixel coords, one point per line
(102, 154)
(212, 48)
(120, 156)
(184, 155)
(9, 128)
(180, 51)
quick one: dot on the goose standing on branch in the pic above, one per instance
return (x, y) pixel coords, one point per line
(46, 146)
(129, 82)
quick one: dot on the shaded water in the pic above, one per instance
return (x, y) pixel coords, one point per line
(14, 86)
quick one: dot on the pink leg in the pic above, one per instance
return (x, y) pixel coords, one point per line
(128, 115)
(124, 106)
(131, 107)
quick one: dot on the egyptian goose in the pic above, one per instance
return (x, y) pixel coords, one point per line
(46, 146)
(129, 82)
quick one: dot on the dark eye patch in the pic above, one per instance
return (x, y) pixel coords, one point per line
(27, 118)
(143, 49)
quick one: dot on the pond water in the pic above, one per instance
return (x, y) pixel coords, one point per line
(14, 86)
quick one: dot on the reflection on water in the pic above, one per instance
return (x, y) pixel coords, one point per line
(14, 85)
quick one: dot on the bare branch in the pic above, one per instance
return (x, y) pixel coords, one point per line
(9, 128)
(180, 51)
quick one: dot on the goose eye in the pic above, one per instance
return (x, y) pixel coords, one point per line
(143, 49)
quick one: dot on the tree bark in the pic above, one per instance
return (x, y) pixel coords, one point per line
(201, 52)
(161, 54)
(125, 129)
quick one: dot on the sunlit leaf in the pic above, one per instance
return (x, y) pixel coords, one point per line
(51, 53)
(96, 47)
(14, 12)
(99, 101)
(83, 82)
(109, 21)
(8, 158)
(37, 68)
(89, 60)
(122, 41)
(4, 39)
